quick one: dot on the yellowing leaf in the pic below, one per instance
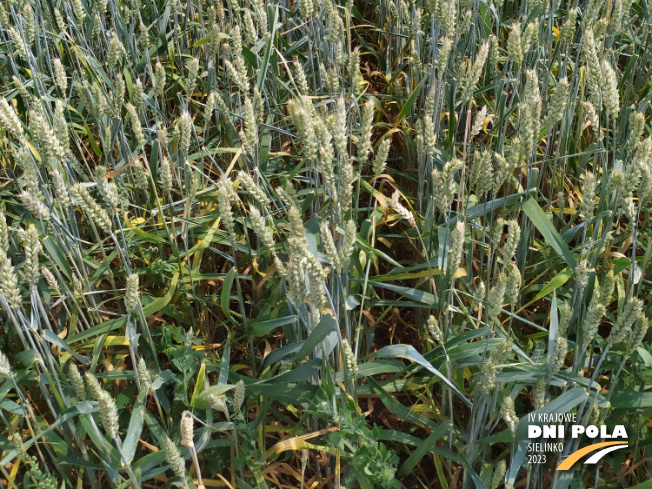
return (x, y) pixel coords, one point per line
(299, 443)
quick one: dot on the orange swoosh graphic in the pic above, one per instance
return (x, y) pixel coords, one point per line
(574, 457)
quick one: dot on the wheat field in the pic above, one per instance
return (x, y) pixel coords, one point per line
(323, 243)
